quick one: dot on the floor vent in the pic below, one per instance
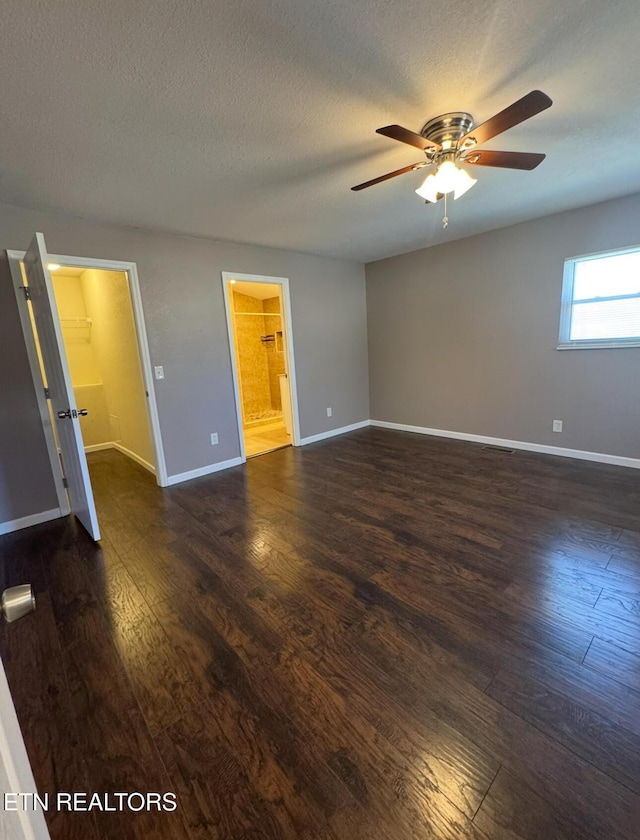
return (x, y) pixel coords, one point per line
(499, 449)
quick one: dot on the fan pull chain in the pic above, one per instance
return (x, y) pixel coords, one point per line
(445, 218)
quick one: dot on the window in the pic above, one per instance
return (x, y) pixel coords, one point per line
(601, 300)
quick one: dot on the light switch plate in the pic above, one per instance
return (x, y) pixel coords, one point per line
(159, 372)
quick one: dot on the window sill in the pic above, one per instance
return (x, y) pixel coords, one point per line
(597, 345)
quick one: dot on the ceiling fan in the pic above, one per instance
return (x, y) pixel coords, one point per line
(452, 139)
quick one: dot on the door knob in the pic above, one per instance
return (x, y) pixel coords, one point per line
(63, 414)
(82, 412)
(17, 601)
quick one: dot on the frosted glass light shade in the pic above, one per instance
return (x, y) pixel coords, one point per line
(447, 178)
(428, 190)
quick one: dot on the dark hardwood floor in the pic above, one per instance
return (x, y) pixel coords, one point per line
(382, 636)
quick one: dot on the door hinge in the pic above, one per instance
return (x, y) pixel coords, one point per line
(27, 292)
(65, 482)
(47, 394)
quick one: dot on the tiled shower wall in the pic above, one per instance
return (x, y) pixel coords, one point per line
(275, 350)
(259, 364)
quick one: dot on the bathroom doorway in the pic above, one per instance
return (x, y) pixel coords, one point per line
(262, 361)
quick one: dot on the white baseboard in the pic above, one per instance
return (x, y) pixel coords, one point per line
(134, 457)
(99, 447)
(234, 462)
(28, 521)
(211, 468)
(333, 432)
(581, 454)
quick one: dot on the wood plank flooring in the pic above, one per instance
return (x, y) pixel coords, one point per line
(381, 636)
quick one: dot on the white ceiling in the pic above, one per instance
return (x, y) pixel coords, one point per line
(250, 121)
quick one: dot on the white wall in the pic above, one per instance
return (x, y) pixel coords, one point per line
(113, 338)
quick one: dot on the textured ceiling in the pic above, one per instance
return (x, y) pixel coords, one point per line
(250, 121)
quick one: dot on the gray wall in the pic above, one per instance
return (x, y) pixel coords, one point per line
(184, 313)
(462, 337)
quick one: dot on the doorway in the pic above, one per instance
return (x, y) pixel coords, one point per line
(258, 317)
(88, 321)
(99, 336)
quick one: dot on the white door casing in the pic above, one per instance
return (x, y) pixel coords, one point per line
(16, 775)
(61, 393)
(285, 310)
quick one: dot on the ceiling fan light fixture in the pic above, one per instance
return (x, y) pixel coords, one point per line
(447, 178)
(463, 182)
(428, 189)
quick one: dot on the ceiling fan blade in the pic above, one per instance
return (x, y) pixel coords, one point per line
(530, 105)
(397, 132)
(386, 177)
(505, 160)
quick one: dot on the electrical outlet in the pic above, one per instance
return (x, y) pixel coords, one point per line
(214, 439)
(329, 412)
(159, 371)
(557, 425)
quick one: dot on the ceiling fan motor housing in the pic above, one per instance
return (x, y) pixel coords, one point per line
(447, 129)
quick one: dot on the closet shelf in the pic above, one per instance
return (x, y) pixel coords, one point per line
(77, 322)
(263, 314)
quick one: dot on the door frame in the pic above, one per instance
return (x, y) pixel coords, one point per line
(133, 283)
(16, 769)
(285, 298)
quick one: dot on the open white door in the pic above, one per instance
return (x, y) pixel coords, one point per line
(54, 360)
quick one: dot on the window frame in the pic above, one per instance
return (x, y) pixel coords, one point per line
(567, 303)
